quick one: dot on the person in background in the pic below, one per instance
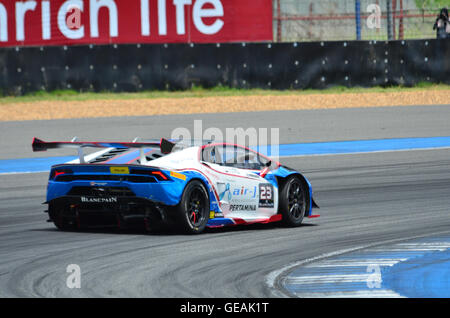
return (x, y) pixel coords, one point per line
(442, 25)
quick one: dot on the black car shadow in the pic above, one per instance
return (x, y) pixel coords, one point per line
(171, 231)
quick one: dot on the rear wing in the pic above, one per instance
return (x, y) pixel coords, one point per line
(164, 145)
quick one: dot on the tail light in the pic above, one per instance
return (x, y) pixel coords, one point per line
(57, 172)
(159, 175)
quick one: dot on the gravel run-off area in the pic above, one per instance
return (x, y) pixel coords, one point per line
(42, 110)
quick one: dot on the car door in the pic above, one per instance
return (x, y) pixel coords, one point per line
(242, 192)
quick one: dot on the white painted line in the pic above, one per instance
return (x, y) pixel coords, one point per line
(430, 244)
(410, 249)
(272, 277)
(329, 279)
(378, 293)
(22, 172)
(357, 262)
(364, 152)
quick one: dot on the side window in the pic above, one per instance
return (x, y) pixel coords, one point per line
(229, 156)
(242, 158)
(233, 156)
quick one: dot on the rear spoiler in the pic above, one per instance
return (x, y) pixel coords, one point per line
(165, 145)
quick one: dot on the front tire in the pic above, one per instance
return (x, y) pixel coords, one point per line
(192, 213)
(293, 199)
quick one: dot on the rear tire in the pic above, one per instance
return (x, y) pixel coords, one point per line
(293, 199)
(56, 215)
(192, 213)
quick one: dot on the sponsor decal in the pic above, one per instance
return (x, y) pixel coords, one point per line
(266, 195)
(98, 183)
(67, 22)
(243, 191)
(98, 200)
(178, 175)
(226, 191)
(236, 192)
(212, 214)
(242, 207)
(119, 170)
(243, 201)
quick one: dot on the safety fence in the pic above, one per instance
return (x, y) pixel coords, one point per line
(336, 20)
(130, 68)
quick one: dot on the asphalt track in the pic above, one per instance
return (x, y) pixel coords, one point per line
(364, 198)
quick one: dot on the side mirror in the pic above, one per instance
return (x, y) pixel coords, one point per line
(266, 169)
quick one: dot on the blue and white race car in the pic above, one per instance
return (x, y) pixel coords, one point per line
(181, 184)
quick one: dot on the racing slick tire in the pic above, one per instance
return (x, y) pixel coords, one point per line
(293, 201)
(56, 216)
(192, 213)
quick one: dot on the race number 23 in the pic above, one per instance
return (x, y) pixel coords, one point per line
(266, 192)
(266, 195)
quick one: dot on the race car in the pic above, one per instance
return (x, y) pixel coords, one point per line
(187, 185)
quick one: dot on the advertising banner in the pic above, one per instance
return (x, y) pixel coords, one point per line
(68, 22)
